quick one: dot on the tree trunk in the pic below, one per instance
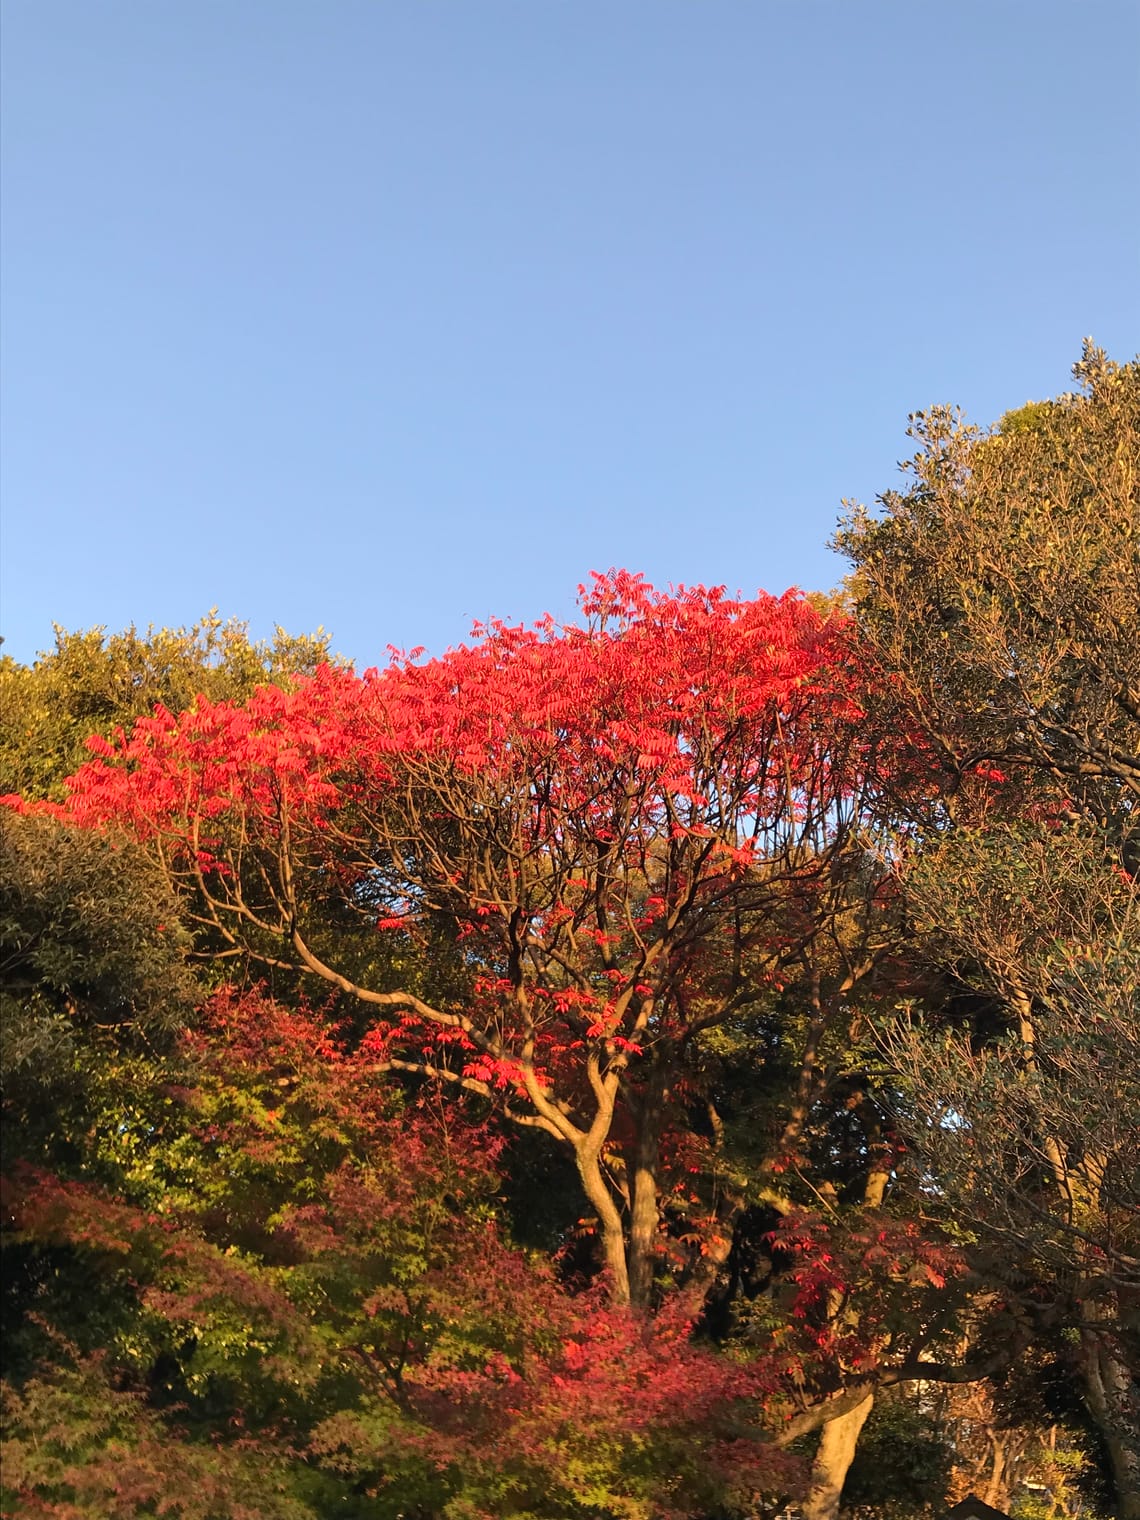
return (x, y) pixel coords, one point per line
(1112, 1397)
(995, 1493)
(837, 1443)
(643, 1160)
(642, 1234)
(1114, 1402)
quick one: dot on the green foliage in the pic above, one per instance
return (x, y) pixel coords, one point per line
(997, 594)
(902, 1466)
(91, 945)
(1033, 417)
(95, 989)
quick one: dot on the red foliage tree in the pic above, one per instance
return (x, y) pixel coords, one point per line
(633, 825)
(333, 1273)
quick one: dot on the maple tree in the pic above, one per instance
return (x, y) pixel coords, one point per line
(796, 946)
(634, 826)
(638, 832)
(327, 1309)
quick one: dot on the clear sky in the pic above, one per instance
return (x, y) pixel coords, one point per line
(391, 314)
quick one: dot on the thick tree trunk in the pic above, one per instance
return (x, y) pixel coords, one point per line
(1114, 1402)
(837, 1442)
(643, 1161)
(642, 1235)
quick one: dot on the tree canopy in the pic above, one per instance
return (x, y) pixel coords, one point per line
(681, 1062)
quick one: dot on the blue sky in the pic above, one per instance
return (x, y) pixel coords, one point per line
(388, 315)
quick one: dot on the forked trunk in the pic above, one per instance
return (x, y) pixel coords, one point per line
(995, 1493)
(837, 1442)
